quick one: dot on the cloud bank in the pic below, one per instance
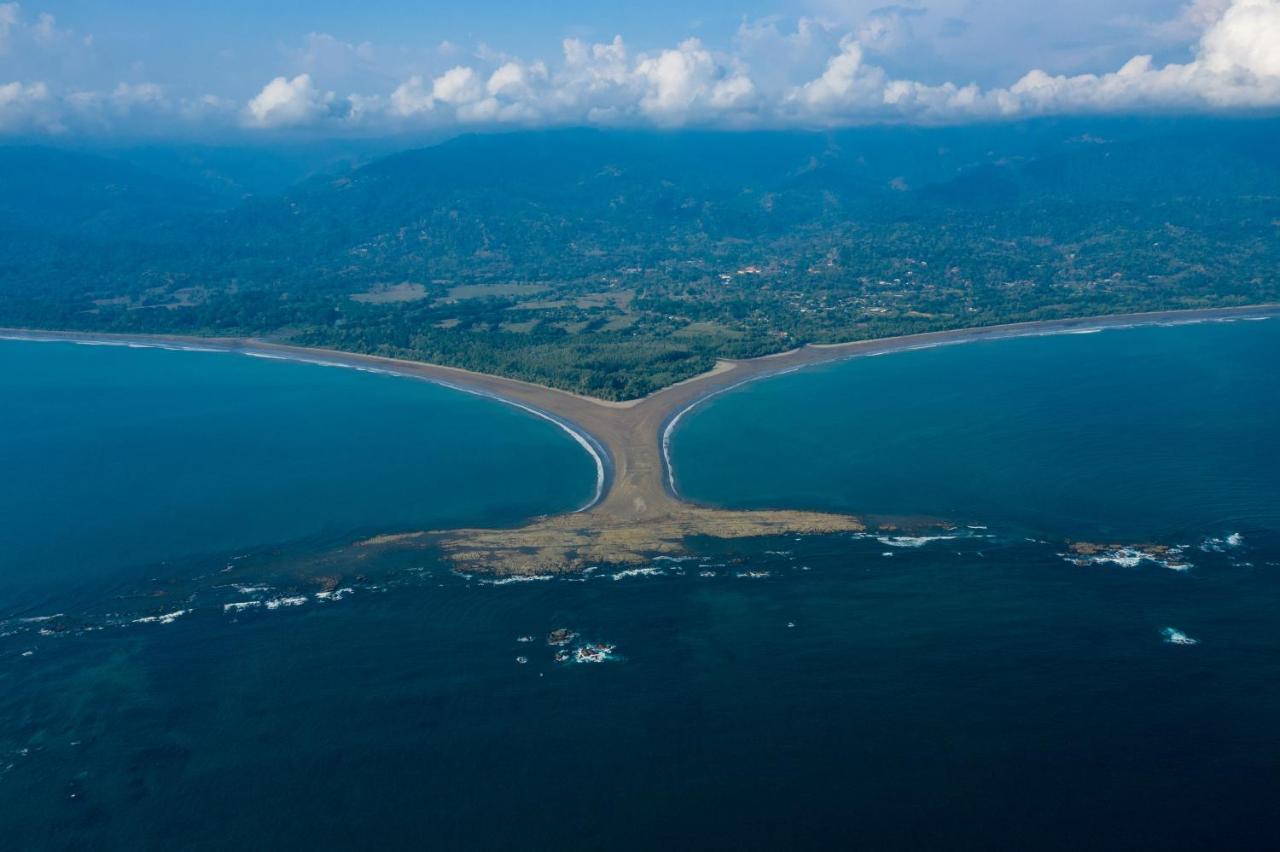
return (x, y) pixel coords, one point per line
(813, 75)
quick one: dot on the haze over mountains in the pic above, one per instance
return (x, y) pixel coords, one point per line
(615, 262)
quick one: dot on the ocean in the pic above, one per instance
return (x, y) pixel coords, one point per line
(983, 685)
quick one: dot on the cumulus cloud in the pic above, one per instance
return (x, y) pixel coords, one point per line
(1236, 65)
(689, 81)
(813, 73)
(286, 102)
(24, 107)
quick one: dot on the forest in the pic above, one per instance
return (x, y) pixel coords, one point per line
(613, 263)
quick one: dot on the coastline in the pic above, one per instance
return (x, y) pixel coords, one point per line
(797, 359)
(350, 361)
(630, 442)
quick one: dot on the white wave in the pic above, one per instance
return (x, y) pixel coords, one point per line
(911, 540)
(1219, 545)
(639, 572)
(335, 594)
(1124, 557)
(752, 575)
(593, 653)
(1132, 557)
(674, 421)
(519, 578)
(581, 437)
(167, 618)
(276, 603)
(36, 619)
(241, 606)
(1177, 637)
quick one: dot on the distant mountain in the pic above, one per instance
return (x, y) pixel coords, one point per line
(68, 192)
(238, 172)
(615, 261)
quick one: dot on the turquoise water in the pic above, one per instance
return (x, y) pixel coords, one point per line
(118, 458)
(975, 691)
(1155, 432)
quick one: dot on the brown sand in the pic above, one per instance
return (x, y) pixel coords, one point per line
(638, 514)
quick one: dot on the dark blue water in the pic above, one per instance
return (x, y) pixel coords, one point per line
(980, 691)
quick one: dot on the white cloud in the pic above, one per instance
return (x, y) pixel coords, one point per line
(813, 73)
(458, 85)
(411, 98)
(288, 102)
(23, 107)
(1236, 64)
(686, 81)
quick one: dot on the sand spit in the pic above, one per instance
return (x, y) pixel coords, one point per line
(636, 512)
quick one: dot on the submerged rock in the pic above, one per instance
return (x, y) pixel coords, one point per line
(561, 636)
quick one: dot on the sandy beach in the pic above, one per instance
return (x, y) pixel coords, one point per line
(636, 510)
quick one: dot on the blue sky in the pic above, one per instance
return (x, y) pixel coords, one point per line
(146, 67)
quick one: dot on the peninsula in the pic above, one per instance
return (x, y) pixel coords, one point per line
(636, 511)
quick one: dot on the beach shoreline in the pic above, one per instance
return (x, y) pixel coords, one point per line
(630, 442)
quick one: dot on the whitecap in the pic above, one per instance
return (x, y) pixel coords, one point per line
(276, 603)
(639, 572)
(1219, 545)
(1177, 637)
(519, 578)
(911, 540)
(167, 618)
(240, 606)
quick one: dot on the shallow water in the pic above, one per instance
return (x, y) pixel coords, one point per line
(979, 690)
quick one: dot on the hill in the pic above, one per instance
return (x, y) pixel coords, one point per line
(614, 263)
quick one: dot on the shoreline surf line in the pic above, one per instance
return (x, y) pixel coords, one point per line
(599, 455)
(669, 427)
(638, 484)
(979, 334)
(597, 452)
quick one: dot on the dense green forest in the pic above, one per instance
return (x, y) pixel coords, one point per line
(613, 263)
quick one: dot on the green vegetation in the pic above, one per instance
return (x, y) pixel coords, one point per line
(616, 263)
